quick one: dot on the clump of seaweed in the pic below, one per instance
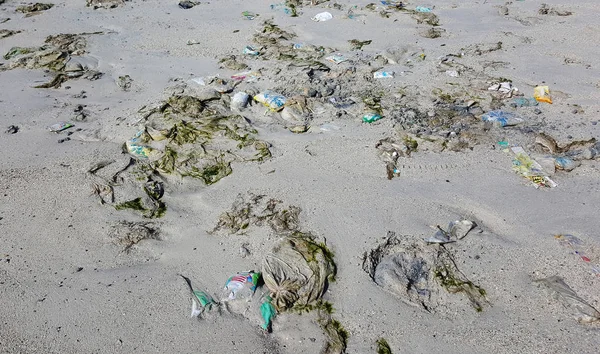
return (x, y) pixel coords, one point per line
(128, 234)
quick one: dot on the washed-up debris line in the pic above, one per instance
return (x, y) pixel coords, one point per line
(417, 273)
(62, 54)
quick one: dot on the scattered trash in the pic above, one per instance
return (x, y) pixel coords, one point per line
(576, 245)
(322, 17)
(580, 309)
(240, 100)
(248, 50)
(383, 74)
(542, 94)
(566, 164)
(268, 312)
(383, 347)
(12, 129)
(501, 118)
(337, 59)
(457, 230)
(390, 150)
(193, 42)
(201, 301)
(135, 147)
(297, 271)
(186, 4)
(530, 169)
(423, 9)
(504, 87)
(371, 117)
(272, 100)
(241, 286)
(250, 15)
(60, 126)
(523, 102)
(416, 272)
(452, 73)
(249, 76)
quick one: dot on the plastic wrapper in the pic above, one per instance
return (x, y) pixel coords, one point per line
(501, 118)
(272, 100)
(241, 286)
(580, 309)
(542, 94)
(297, 271)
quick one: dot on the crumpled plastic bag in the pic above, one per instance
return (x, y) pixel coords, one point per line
(297, 271)
(580, 309)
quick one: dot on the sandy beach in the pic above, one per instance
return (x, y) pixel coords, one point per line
(135, 151)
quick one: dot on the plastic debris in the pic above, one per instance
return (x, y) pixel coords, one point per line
(242, 285)
(248, 50)
(250, 15)
(201, 301)
(452, 73)
(505, 87)
(249, 76)
(337, 59)
(268, 312)
(524, 102)
(566, 164)
(457, 230)
(530, 169)
(501, 118)
(390, 150)
(371, 117)
(297, 271)
(580, 309)
(322, 17)
(416, 272)
(423, 9)
(542, 94)
(59, 127)
(577, 246)
(240, 100)
(383, 74)
(136, 148)
(272, 100)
